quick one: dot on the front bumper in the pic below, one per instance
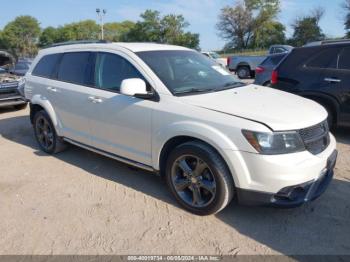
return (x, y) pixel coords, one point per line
(11, 97)
(292, 196)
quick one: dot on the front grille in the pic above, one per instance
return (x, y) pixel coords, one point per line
(9, 94)
(316, 138)
(5, 85)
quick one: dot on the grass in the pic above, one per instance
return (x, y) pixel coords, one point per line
(260, 52)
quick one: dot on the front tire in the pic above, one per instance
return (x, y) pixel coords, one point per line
(199, 179)
(46, 135)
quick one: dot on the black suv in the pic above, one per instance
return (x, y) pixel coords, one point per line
(320, 72)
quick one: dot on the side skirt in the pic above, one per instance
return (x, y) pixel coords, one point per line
(113, 156)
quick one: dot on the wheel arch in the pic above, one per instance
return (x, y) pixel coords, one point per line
(324, 100)
(178, 134)
(37, 104)
(243, 64)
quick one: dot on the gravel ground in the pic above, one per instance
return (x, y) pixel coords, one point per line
(78, 202)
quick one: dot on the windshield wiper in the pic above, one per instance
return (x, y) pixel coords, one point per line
(193, 90)
(230, 85)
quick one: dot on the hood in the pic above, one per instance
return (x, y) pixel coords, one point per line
(279, 110)
(6, 59)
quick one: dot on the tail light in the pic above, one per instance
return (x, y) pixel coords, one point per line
(259, 70)
(228, 60)
(274, 77)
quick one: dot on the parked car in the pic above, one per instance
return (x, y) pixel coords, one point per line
(20, 68)
(264, 71)
(169, 110)
(217, 58)
(245, 66)
(321, 73)
(10, 84)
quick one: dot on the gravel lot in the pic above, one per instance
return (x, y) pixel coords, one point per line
(78, 202)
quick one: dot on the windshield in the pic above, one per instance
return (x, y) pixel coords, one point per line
(188, 71)
(214, 55)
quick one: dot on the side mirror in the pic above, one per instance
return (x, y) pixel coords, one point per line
(133, 87)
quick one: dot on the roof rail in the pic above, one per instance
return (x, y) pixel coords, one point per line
(78, 42)
(329, 42)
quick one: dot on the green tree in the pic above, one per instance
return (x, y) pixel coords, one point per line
(246, 20)
(307, 29)
(346, 6)
(116, 31)
(169, 29)
(21, 35)
(272, 33)
(49, 36)
(2, 42)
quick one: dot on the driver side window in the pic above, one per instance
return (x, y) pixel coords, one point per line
(112, 69)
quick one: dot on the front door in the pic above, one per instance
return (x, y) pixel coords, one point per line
(121, 124)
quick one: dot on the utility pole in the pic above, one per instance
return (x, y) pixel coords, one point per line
(100, 16)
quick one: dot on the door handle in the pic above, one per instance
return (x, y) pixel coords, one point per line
(332, 80)
(95, 100)
(51, 89)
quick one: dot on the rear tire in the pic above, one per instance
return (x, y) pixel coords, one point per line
(243, 72)
(199, 178)
(46, 135)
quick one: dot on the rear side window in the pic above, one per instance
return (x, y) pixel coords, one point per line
(324, 59)
(273, 60)
(46, 66)
(344, 59)
(112, 69)
(76, 68)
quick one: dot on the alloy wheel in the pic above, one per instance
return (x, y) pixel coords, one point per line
(44, 133)
(193, 181)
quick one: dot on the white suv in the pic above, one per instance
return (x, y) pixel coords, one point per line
(173, 111)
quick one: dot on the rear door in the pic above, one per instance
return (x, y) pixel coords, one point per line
(69, 94)
(342, 84)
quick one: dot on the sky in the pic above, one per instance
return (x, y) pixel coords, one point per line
(201, 14)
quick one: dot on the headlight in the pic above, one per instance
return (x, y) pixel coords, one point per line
(275, 143)
(21, 85)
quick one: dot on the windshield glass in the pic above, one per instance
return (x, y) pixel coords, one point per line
(188, 71)
(214, 55)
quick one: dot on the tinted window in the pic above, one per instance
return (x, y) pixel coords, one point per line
(21, 66)
(324, 59)
(344, 59)
(273, 60)
(112, 69)
(46, 65)
(279, 50)
(75, 68)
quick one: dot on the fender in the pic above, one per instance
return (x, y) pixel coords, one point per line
(44, 103)
(323, 96)
(200, 131)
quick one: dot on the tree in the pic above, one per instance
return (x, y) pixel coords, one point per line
(346, 6)
(21, 35)
(307, 29)
(49, 36)
(245, 21)
(116, 31)
(168, 29)
(272, 33)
